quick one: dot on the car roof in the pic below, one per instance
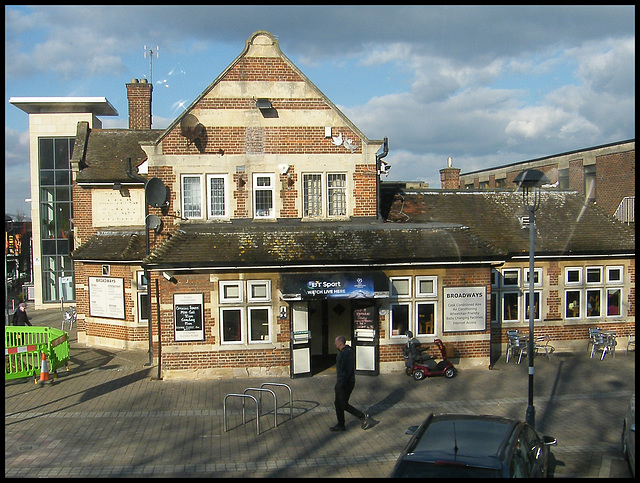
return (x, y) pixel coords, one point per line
(470, 439)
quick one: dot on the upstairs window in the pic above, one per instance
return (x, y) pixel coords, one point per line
(263, 195)
(337, 194)
(192, 196)
(312, 195)
(218, 197)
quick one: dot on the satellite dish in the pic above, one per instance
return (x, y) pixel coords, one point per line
(156, 192)
(191, 128)
(153, 223)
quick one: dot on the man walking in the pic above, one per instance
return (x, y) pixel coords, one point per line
(346, 373)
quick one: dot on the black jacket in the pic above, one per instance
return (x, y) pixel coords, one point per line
(346, 367)
(20, 318)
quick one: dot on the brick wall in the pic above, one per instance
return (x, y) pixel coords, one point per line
(139, 98)
(615, 179)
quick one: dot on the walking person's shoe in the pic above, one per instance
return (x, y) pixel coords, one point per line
(365, 421)
(337, 427)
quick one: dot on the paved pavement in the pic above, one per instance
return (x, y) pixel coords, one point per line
(109, 416)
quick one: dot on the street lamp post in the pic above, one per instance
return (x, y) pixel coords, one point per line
(530, 181)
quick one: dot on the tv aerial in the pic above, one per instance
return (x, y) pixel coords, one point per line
(150, 51)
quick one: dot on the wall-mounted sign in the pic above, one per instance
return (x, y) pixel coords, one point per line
(465, 308)
(329, 286)
(188, 316)
(106, 297)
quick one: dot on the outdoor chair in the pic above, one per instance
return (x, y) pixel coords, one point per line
(542, 344)
(593, 332)
(605, 343)
(631, 342)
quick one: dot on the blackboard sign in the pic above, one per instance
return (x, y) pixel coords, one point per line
(187, 309)
(364, 318)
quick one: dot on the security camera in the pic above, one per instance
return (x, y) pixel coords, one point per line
(170, 278)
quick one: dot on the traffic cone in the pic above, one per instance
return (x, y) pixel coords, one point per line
(44, 370)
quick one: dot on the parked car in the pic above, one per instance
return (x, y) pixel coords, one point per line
(629, 435)
(471, 446)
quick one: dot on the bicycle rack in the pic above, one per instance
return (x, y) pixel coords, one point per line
(243, 396)
(258, 402)
(275, 402)
(290, 394)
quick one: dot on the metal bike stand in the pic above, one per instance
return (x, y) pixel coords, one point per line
(290, 393)
(275, 402)
(243, 396)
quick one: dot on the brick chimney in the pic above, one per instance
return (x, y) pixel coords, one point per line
(139, 96)
(450, 177)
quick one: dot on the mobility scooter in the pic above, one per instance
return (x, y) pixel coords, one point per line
(419, 364)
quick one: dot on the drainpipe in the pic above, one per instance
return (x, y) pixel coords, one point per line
(385, 151)
(137, 177)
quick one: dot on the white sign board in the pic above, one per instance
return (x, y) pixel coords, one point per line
(465, 308)
(106, 297)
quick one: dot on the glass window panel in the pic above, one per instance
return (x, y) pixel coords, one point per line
(61, 153)
(614, 302)
(231, 325)
(144, 307)
(231, 292)
(259, 324)
(45, 153)
(494, 303)
(572, 301)
(46, 177)
(399, 319)
(614, 274)
(63, 178)
(62, 194)
(312, 195)
(48, 247)
(593, 303)
(510, 306)
(192, 196)
(573, 275)
(336, 186)
(263, 196)
(594, 274)
(426, 318)
(510, 278)
(216, 196)
(536, 306)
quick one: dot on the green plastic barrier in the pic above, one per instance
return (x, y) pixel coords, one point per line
(24, 346)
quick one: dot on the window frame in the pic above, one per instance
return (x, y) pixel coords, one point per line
(250, 310)
(610, 269)
(306, 195)
(566, 303)
(537, 294)
(225, 196)
(230, 283)
(609, 291)
(185, 212)
(393, 293)
(417, 332)
(503, 278)
(593, 269)
(331, 192)
(567, 271)
(251, 284)
(518, 295)
(537, 273)
(406, 304)
(241, 325)
(271, 215)
(588, 292)
(426, 278)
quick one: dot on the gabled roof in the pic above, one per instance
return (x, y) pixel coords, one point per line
(248, 44)
(565, 223)
(101, 154)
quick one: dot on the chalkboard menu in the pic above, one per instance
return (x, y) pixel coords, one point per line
(364, 318)
(188, 316)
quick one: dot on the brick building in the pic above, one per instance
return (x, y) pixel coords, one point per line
(243, 238)
(603, 174)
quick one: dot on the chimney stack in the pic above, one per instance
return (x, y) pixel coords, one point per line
(450, 176)
(139, 97)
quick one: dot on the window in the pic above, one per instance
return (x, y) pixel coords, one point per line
(259, 318)
(144, 302)
(590, 182)
(537, 277)
(614, 302)
(55, 205)
(593, 303)
(263, 195)
(426, 318)
(400, 287)
(192, 196)
(494, 307)
(218, 197)
(426, 286)
(573, 276)
(312, 195)
(231, 292)
(594, 274)
(511, 278)
(400, 318)
(572, 304)
(495, 277)
(614, 274)
(231, 325)
(259, 290)
(536, 305)
(510, 306)
(336, 194)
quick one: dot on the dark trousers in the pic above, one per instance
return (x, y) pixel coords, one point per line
(342, 403)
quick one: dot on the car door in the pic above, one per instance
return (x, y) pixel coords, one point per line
(536, 452)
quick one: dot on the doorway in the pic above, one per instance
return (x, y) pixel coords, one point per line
(327, 320)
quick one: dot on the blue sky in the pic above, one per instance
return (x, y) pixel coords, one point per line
(487, 86)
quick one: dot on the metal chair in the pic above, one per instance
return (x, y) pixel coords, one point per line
(631, 342)
(542, 344)
(511, 335)
(605, 343)
(593, 332)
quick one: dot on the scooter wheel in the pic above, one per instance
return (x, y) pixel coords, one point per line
(449, 372)
(418, 374)
(408, 372)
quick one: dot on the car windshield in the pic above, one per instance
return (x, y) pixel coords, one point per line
(416, 469)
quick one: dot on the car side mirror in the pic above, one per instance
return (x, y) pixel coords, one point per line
(411, 430)
(549, 440)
